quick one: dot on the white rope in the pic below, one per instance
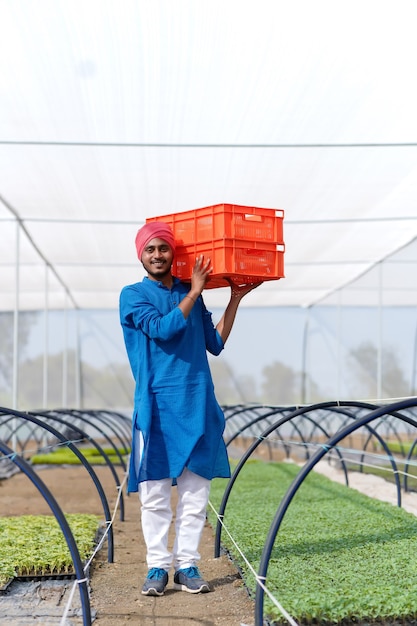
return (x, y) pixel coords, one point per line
(259, 580)
(29, 452)
(388, 470)
(109, 523)
(352, 451)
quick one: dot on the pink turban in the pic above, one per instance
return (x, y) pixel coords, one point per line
(153, 230)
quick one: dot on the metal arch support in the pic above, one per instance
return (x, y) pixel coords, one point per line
(107, 516)
(329, 406)
(409, 456)
(122, 421)
(391, 429)
(243, 414)
(231, 412)
(16, 426)
(248, 453)
(91, 418)
(261, 418)
(122, 427)
(387, 450)
(83, 435)
(373, 433)
(286, 501)
(254, 420)
(255, 409)
(62, 521)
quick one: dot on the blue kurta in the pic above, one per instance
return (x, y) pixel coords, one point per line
(175, 409)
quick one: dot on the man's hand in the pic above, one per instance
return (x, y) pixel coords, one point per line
(238, 291)
(200, 275)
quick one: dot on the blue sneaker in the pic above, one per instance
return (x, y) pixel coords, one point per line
(189, 579)
(155, 583)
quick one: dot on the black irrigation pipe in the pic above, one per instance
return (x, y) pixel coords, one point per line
(318, 455)
(62, 521)
(293, 411)
(35, 433)
(326, 418)
(92, 417)
(62, 416)
(118, 419)
(231, 412)
(257, 420)
(230, 409)
(384, 422)
(372, 433)
(247, 455)
(234, 412)
(121, 419)
(339, 409)
(85, 436)
(279, 409)
(410, 454)
(237, 412)
(252, 421)
(88, 418)
(32, 431)
(245, 410)
(287, 446)
(99, 425)
(389, 455)
(328, 406)
(390, 428)
(123, 424)
(260, 419)
(276, 409)
(87, 465)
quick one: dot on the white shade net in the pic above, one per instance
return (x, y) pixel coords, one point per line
(113, 112)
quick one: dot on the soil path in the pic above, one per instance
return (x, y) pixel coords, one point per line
(115, 587)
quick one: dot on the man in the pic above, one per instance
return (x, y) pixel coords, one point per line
(177, 423)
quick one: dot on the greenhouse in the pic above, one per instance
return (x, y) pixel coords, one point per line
(105, 126)
(115, 113)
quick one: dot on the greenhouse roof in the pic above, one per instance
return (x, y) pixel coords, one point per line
(112, 112)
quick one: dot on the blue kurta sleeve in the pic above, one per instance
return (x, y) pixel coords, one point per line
(214, 342)
(176, 413)
(138, 312)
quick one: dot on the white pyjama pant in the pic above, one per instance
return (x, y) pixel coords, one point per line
(155, 497)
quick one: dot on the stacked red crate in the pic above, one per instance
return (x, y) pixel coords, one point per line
(245, 244)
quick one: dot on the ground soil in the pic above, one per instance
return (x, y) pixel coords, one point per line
(115, 587)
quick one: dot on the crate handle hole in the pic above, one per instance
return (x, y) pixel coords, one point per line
(253, 218)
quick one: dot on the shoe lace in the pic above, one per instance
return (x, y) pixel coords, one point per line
(156, 573)
(191, 572)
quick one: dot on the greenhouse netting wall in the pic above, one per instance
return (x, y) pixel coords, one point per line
(367, 350)
(359, 342)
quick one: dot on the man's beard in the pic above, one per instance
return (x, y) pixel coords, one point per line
(157, 270)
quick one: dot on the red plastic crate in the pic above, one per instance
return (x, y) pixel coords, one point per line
(232, 259)
(228, 221)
